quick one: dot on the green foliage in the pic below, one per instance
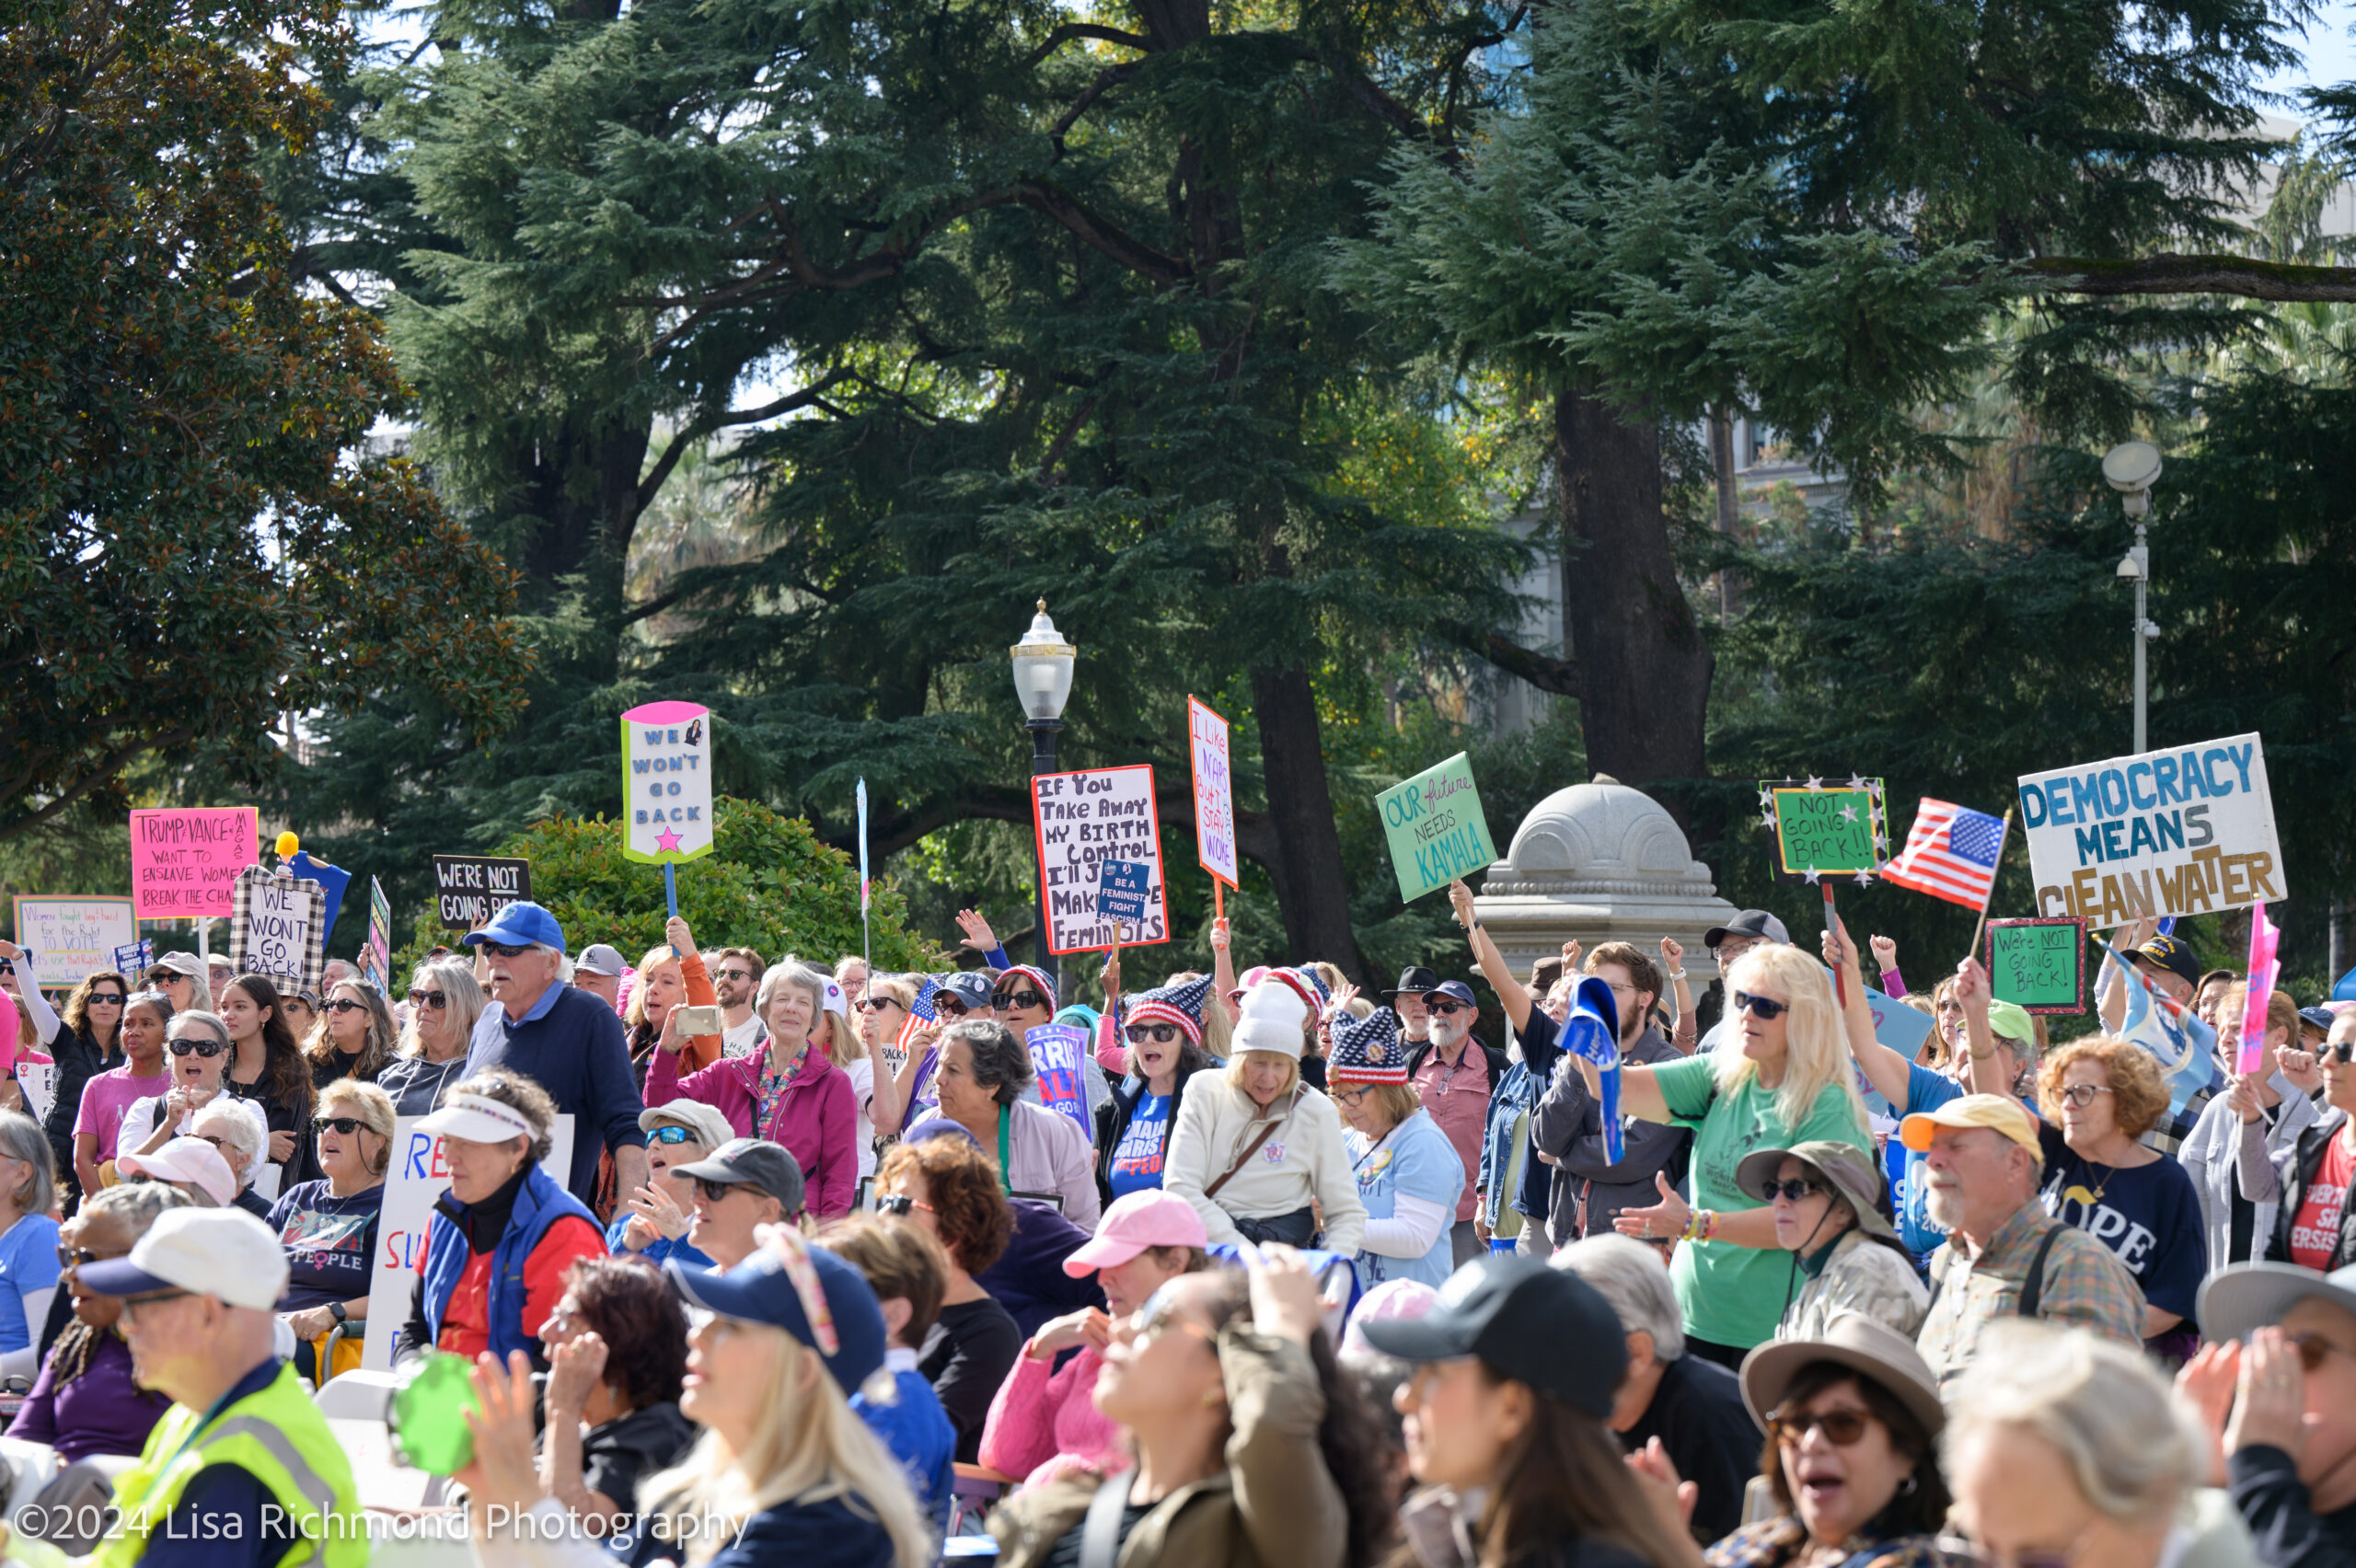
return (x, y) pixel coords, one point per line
(769, 884)
(193, 540)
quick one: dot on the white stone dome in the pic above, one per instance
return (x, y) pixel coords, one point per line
(1600, 838)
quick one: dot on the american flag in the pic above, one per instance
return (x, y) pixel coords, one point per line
(1951, 853)
(921, 1010)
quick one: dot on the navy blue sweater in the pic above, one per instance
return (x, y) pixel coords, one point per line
(2266, 1487)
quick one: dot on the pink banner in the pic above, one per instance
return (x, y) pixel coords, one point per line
(2264, 938)
(184, 863)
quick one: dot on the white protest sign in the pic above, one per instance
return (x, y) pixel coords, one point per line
(666, 782)
(416, 1177)
(1105, 814)
(2183, 831)
(70, 937)
(38, 1080)
(1214, 792)
(277, 928)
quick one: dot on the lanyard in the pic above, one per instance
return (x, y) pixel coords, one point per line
(1005, 1175)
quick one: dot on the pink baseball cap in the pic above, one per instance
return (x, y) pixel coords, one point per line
(186, 1159)
(1149, 1218)
(1391, 1298)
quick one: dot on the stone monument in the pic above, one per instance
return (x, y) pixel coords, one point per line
(1602, 863)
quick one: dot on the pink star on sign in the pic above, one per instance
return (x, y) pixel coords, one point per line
(667, 839)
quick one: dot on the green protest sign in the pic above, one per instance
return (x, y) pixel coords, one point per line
(2038, 964)
(1435, 828)
(1826, 830)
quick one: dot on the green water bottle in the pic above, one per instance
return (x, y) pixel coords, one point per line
(429, 1416)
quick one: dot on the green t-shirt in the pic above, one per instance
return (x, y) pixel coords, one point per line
(1734, 1295)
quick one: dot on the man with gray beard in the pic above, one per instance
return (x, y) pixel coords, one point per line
(1455, 1075)
(2006, 1257)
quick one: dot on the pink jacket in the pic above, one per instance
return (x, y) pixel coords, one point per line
(817, 1117)
(1043, 1425)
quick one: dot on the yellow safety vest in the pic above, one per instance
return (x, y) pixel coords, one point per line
(277, 1436)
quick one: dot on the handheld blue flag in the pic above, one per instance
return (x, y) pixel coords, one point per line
(2185, 1048)
(1592, 1032)
(333, 880)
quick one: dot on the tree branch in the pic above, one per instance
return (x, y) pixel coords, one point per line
(107, 769)
(1095, 232)
(1543, 671)
(2169, 273)
(1070, 30)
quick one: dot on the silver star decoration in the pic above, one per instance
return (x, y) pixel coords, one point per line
(1865, 879)
(1873, 788)
(1811, 877)
(1848, 814)
(1814, 783)
(1766, 798)
(1767, 819)
(1857, 781)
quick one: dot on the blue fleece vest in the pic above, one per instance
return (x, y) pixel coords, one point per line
(541, 1203)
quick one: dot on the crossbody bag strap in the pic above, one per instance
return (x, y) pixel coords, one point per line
(2033, 1288)
(1268, 1129)
(1100, 1532)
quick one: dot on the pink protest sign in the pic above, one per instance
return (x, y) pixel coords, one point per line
(184, 862)
(2265, 938)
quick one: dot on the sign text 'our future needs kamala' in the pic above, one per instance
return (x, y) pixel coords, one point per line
(2182, 831)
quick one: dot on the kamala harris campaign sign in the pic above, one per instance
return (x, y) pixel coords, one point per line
(2183, 831)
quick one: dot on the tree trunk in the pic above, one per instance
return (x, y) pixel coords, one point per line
(1645, 671)
(1313, 891)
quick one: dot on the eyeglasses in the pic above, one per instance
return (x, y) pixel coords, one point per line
(900, 1203)
(134, 1305)
(1445, 1008)
(674, 1134)
(1003, 1000)
(437, 1000)
(214, 1138)
(73, 1257)
(105, 998)
(1796, 1188)
(1351, 1093)
(1765, 1006)
(503, 949)
(2078, 1096)
(345, 1004)
(1161, 1314)
(345, 1125)
(196, 1047)
(1161, 1033)
(732, 975)
(2314, 1349)
(1842, 1427)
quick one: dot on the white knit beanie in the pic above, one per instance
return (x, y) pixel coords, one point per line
(1274, 1018)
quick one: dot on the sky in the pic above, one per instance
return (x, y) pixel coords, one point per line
(2331, 53)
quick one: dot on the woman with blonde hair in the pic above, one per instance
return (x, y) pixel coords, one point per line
(786, 1470)
(1780, 1075)
(1257, 1151)
(671, 973)
(327, 1227)
(445, 1002)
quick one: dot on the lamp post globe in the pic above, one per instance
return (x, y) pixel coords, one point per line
(2132, 468)
(1043, 664)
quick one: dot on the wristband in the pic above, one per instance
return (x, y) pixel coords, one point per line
(1677, 974)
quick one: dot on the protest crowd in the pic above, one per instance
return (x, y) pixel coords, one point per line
(1269, 1273)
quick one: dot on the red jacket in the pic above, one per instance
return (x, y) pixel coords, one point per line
(816, 1118)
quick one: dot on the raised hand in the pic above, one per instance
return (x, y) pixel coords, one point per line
(573, 1370)
(1672, 954)
(682, 940)
(1459, 899)
(1658, 1222)
(1220, 934)
(978, 935)
(1885, 953)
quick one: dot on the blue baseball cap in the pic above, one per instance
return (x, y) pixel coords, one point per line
(936, 1127)
(762, 1290)
(970, 986)
(519, 925)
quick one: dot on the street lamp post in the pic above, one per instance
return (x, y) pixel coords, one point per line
(2133, 468)
(1043, 664)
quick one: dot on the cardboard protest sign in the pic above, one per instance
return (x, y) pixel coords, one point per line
(1214, 793)
(1825, 829)
(38, 1080)
(184, 863)
(1124, 889)
(2186, 831)
(417, 1176)
(277, 928)
(1059, 1053)
(2038, 964)
(133, 958)
(1434, 827)
(666, 782)
(376, 956)
(1081, 820)
(69, 938)
(469, 889)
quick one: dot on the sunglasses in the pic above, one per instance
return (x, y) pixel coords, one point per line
(72, 1257)
(2313, 1350)
(1002, 1001)
(134, 1305)
(502, 949)
(732, 975)
(1159, 1314)
(1445, 1008)
(2078, 1096)
(900, 1203)
(437, 1000)
(1796, 1188)
(874, 1003)
(2343, 1051)
(1161, 1033)
(105, 998)
(1842, 1427)
(345, 1004)
(949, 1007)
(717, 1192)
(1764, 1006)
(345, 1125)
(196, 1047)
(674, 1134)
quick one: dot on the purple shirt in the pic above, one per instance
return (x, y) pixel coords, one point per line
(105, 1099)
(101, 1412)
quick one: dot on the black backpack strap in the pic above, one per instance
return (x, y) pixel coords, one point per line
(1100, 1531)
(2033, 1288)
